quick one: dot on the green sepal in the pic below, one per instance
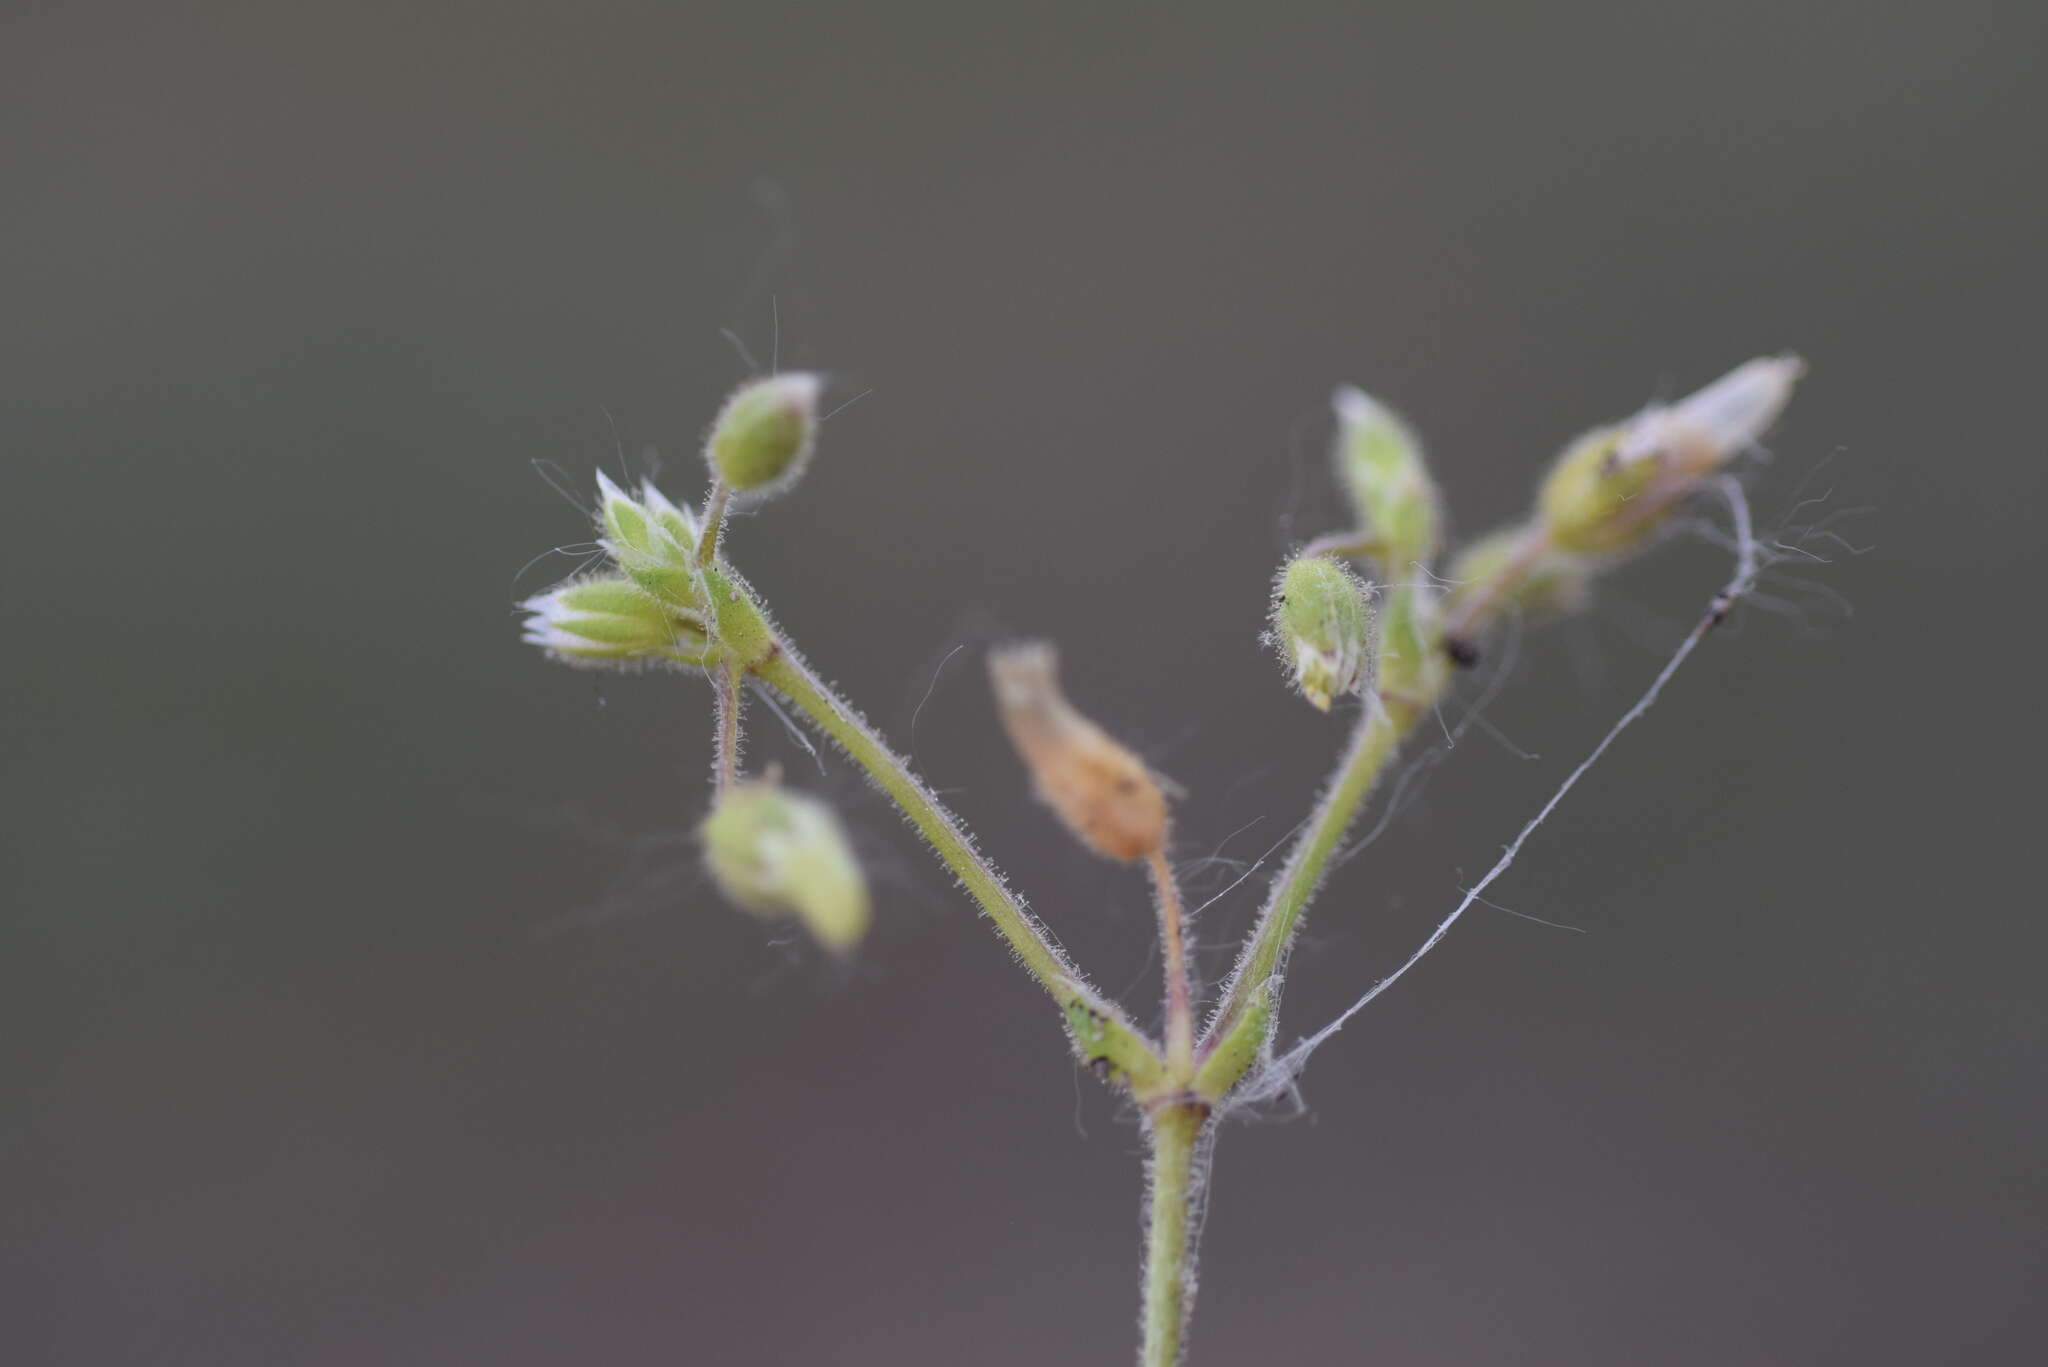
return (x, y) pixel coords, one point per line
(1586, 500)
(1380, 463)
(608, 620)
(744, 632)
(776, 852)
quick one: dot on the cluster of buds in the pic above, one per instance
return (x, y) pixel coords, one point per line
(1611, 491)
(657, 605)
(667, 599)
(1606, 496)
(1336, 634)
(652, 541)
(780, 853)
(649, 607)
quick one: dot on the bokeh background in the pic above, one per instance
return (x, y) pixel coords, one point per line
(360, 999)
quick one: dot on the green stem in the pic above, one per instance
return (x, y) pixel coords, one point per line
(1102, 1035)
(1484, 600)
(1413, 677)
(1176, 1136)
(1372, 745)
(730, 702)
(714, 523)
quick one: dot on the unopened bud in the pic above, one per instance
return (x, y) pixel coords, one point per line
(651, 540)
(1103, 792)
(1704, 429)
(779, 853)
(1379, 460)
(765, 432)
(1322, 627)
(609, 620)
(1614, 486)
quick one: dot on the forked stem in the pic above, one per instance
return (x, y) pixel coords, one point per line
(1257, 977)
(1106, 1040)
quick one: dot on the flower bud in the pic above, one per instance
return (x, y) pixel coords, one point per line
(609, 620)
(652, 540)
(1379, 461)
(1103, 792)
(764, 434)
(776, 852)
(1614, 486)
(1322, 626)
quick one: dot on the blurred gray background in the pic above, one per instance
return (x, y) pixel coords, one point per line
(360, 999)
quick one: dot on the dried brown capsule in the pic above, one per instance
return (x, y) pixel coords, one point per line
(1104, 793)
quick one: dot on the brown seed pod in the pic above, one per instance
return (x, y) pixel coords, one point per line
(1103, 792)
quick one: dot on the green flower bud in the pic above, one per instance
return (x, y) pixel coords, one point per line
(1614, 486)
(652, 540)
(778, 853)
(1595, 502)
(1379, 462)
(764, 434)
(608, 620)
(1322, 627)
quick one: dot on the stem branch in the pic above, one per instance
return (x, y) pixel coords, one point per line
(1372, 745)
(730, 701)
(1180, 1009)
(1101, 1032)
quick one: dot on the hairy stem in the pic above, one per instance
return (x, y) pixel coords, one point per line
(1180, 1008)
(1486, 599)
(714, 523)
(1175, 1137)
(1250, 997)
(1101, 1033)
(730, 701)
(1372, 745)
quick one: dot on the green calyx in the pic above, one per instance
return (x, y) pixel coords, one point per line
(1600, 498)
(744, 634)
(652, 541)
(610, 620)
(777, 853)
(1322, 627)
(765, 433)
